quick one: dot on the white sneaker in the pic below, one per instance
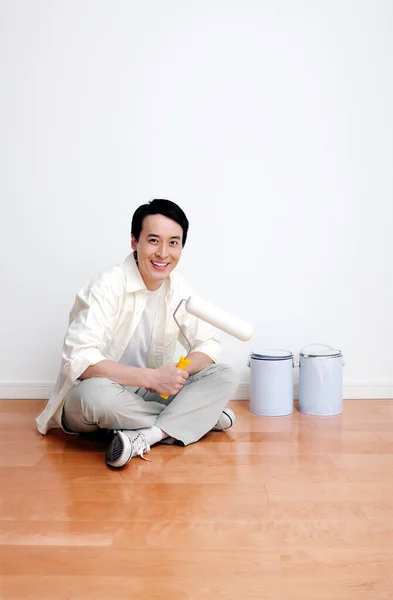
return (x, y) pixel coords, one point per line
(120, 448)
(226, 420)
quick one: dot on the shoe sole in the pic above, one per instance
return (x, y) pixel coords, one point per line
(119, 451)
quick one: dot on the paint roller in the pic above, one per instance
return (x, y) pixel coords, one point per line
(215, 316)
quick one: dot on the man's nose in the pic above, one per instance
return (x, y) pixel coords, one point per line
(162, 250)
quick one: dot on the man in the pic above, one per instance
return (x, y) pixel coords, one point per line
(120, 344)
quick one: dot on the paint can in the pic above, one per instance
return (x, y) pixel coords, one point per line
(271, 383)
(320, 380)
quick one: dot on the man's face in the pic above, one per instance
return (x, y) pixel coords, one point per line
(158, 249)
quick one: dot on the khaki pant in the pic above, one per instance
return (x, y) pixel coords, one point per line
(99, 403)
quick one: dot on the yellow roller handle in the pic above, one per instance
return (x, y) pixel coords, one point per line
(182, 364)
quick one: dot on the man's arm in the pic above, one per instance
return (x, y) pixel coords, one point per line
(166, 380)
(199, 361)
(127, 376)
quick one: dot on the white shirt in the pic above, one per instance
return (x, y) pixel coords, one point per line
(137, 351)
(104, 318)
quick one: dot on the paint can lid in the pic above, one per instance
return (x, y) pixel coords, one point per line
(320, 351)
(273, 354)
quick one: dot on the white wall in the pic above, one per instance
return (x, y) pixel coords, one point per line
(269, 122)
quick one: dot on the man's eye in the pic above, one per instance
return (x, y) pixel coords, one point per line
(174, 242)
(153, 240)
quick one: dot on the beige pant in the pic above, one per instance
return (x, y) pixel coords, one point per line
(99, 403)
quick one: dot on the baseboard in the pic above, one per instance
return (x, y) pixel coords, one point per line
(37, 390)
(29, 390)
(361, 391)
(351, 391)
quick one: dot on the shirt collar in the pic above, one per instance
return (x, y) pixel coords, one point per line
(134, 278)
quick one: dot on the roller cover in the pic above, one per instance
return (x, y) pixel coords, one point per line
(219, 318)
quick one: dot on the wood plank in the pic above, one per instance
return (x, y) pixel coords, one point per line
(243, 534)
(222, 586)
(177, 471)
(60, 533)
(219, 507)
(110, 511)
(40, 560)
(38, 479)
(217, 493)
(333, 492)
(377, 560)
(379, 511)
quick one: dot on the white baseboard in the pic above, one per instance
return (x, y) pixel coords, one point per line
(351, 391)
(29, 390)
(37, 390)
(361, 391)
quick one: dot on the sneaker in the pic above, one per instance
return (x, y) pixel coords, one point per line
(120, 448)
(226, 420)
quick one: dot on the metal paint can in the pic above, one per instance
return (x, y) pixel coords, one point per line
(320, 380)
(271, 383)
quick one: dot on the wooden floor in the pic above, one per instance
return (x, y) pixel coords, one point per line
(291, 508)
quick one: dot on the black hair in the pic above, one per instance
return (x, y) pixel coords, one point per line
(167, 208)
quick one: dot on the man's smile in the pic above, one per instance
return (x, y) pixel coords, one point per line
(159, 265)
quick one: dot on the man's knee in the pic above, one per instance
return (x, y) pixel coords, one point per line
(93, 395)
(227, 373)
(222, 373)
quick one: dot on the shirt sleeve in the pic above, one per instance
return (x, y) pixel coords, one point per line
(90, 330)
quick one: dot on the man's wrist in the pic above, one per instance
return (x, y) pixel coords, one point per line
(148, 379)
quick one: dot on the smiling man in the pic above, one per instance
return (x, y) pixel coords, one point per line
(119, 349)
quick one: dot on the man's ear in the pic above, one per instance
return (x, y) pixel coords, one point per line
(134, 243)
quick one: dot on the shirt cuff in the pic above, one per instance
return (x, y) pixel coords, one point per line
(212, 349)
(87, 358)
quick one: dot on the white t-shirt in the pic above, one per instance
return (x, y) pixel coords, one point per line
(136, 353)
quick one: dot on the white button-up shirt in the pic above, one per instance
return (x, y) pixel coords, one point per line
(105, 315)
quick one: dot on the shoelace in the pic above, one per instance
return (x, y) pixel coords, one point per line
(139, 445)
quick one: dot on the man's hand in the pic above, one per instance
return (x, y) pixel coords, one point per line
(167, 380)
